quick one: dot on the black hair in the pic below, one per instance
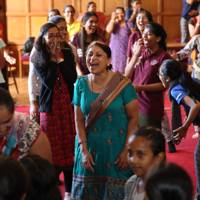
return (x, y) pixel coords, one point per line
(56, 19)
(169, 182)
(171, 68)
(83, 34)
(90, 3)
(159, 31)
(132, 1)
(87, 16)
(174, 70)
(55, 10)
(43, 178)
(69, 6)
(14, 182)
(41, 55)
(120, 8)
(147, 14)
(104, 47)
(153, 135)
(7, 100)
(28, 45)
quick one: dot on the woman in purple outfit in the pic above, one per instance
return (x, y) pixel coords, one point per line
(120, 31)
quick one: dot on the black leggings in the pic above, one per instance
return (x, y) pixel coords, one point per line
(67, 171)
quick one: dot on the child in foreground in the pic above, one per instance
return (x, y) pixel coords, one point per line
(146, 150)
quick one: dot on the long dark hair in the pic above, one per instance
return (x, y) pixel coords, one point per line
(174, 70)
(41, 55)
(147, 14)
(83, 34)
(159, 31)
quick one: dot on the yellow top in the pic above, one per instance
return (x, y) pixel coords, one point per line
(73, 29)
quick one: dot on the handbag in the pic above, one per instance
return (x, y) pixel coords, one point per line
(112, 89)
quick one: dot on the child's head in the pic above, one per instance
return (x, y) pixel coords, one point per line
(169, 182)
(170, 70)
(146, 149)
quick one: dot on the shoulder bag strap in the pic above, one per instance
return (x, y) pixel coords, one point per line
(113, 88)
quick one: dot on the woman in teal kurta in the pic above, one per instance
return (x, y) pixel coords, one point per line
(105, 140)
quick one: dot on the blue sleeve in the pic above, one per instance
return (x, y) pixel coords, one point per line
(178, 93)
(128, 13)
(128, 94)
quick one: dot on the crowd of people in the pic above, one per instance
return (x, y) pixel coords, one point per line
(96, 91)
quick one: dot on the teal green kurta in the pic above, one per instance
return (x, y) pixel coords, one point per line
(105, 141)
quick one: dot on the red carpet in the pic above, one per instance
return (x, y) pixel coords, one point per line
(185, 150)
(24, 109)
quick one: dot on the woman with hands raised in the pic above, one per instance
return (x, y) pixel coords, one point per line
(149, 52)
(119, 30)
(56, 68)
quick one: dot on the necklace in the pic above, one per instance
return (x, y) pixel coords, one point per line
(95, 87)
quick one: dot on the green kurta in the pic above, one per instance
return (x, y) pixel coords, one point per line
(105, 141)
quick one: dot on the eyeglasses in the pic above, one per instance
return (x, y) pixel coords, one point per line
(52, 35)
